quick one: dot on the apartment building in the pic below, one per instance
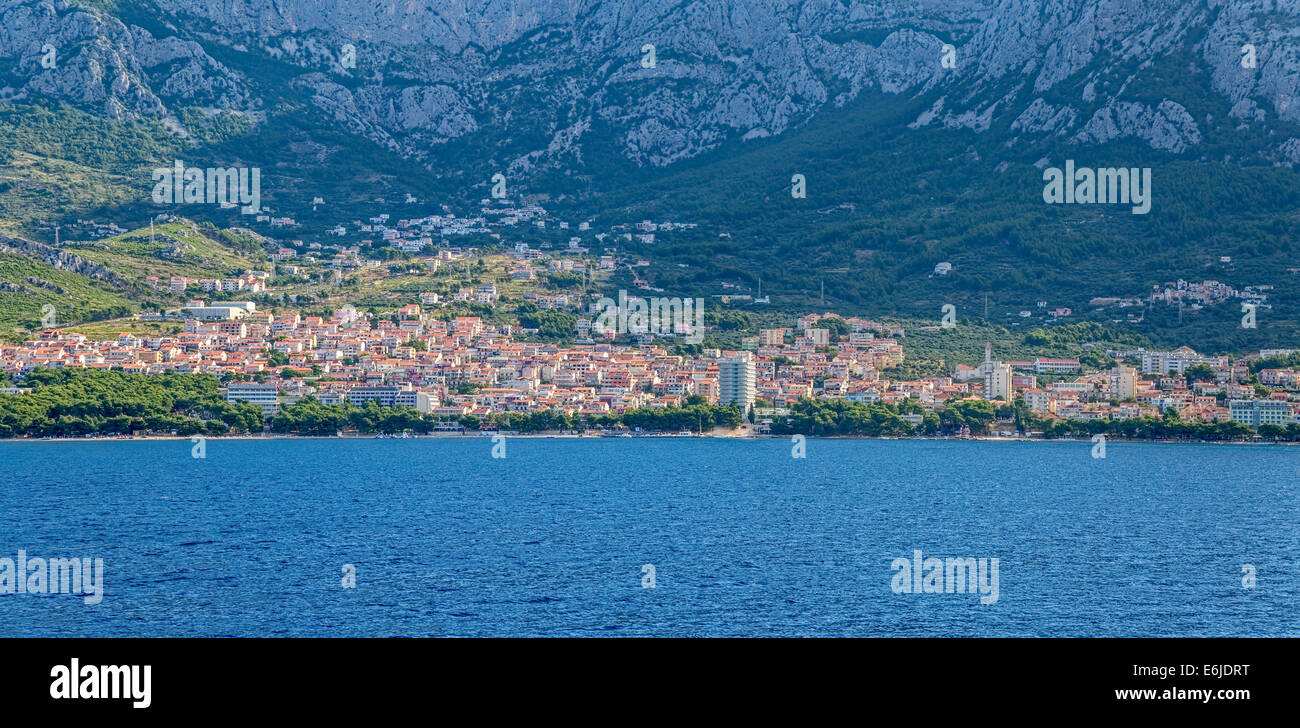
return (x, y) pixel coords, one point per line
(736, 381)
(262, 395)
(1256, 412)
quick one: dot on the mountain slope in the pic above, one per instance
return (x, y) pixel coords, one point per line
(921, 129)
(532, 83)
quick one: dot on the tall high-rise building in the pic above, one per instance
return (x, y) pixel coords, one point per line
(997, 376)
(736, 381)
(1123, 382)
(997, 381)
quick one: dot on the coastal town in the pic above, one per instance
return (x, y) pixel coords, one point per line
(439, 314)
(450, 369)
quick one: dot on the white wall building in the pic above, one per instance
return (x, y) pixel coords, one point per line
(736, 381)
(262, 395)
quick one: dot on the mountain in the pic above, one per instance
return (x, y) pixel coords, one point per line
(921, 128)
(532, 82)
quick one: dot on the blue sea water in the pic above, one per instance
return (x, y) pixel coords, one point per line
(744, 539)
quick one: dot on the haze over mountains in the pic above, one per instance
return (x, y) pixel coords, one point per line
(910, 160)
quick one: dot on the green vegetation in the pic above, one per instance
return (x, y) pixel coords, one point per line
(551, 325)
(1147, 428)
(1287, 361)
(83, 402)
(105, 330)
(26, 285)
(932, 350)
(829, 418)
(309, 417)
(886, 203)
(56, 160)
(178, 248)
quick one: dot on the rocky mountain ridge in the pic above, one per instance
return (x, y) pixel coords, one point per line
(532, 81)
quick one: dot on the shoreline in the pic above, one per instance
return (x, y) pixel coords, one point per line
(644, 436)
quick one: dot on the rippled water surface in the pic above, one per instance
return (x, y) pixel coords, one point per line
(743, 538)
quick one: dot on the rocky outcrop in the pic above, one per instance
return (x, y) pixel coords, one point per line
(1167, 127)
(1043, 118)
(61, 259)
(96, 61)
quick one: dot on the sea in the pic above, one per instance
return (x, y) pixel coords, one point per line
(644, 536)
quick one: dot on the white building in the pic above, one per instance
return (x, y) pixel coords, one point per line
(262, 395)
(736, 381)
(1172, 362)
(997, 381)
(1123, 383)
(818, 337)
(1256, 412)
(219, 310)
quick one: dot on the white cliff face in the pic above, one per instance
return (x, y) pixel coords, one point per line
(723, 69)
(1272, 29)
(61, 51)
(1167, 127)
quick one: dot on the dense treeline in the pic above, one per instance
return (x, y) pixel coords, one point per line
(838, 417)
(830, 418)
(1153, 428)
(309, 416)
(86, 402)
(551, 325)
(877, 419)
(1285, 361)
(80, 402)
(1066, 335)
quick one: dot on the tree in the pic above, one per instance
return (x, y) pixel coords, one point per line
(1272, 432)
(838, 327)
(1198, 373)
